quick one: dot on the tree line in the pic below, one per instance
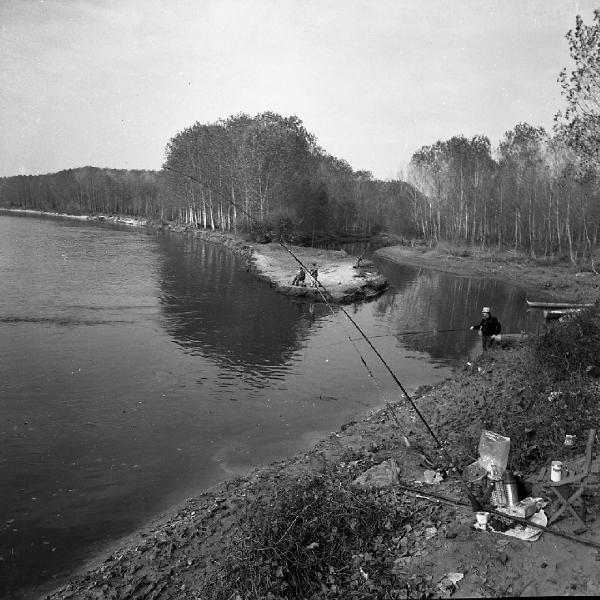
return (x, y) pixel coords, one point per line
(536, 192)
(266, 176)
(532, 195)
(262, 175)
(84, 191)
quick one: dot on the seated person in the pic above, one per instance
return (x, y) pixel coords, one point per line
(299, 279)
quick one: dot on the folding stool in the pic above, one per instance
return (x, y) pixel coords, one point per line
(579, 479)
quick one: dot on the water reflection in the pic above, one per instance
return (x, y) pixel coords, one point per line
(430, 311)
(212, 307)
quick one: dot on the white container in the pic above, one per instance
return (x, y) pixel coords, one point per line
(482, 517)
(570, 440)
(556, 470)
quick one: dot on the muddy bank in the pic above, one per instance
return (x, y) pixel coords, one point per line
(558, 280)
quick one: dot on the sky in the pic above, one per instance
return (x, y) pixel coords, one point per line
(108, 83)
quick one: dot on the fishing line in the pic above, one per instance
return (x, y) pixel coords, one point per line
(430, 331)
(322, 290)
(399, 333)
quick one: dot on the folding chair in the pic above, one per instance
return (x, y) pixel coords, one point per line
(578, 478)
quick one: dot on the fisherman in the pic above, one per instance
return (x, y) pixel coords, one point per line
(299, 279)
(488, 327)
(314, 273)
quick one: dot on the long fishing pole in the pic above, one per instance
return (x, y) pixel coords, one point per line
(431, 331)
(322, 290)
(425, 332)
(438, 498)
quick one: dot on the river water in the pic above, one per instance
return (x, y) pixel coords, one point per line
(139, 368)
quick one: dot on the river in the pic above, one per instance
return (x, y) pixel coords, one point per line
(139, 368)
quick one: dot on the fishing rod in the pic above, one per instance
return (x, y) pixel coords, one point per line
(438, 498)
(323, 292)
(431, 331)
(428, 331)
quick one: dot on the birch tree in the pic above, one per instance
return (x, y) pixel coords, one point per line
(581, 89)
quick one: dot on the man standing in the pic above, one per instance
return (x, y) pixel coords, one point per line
(488, 327)
(314, 273)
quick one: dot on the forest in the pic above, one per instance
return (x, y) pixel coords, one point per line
(536, 192)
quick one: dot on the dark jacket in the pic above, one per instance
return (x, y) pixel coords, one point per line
(489, 326)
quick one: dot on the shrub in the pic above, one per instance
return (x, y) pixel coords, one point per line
(318, 539)
(569, 347)
(261, 232)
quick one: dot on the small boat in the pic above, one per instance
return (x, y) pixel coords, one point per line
(558, 305)
(510, 339)
(559, 313)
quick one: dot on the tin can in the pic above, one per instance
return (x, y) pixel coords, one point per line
(510, 486)
(556, 470)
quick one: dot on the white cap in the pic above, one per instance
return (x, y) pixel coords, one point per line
(486, 309)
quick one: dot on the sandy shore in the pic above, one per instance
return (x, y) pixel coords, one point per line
(133, 222)
(340, 279)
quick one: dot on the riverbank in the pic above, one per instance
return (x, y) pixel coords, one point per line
(418, 548)
(552, 278)
(132, 222)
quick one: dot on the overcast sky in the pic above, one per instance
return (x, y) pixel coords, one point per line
(108, 82)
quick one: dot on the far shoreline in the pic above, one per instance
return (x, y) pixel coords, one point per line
(341, 280)
(554, 279)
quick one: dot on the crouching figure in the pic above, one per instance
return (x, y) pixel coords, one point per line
(299, 278)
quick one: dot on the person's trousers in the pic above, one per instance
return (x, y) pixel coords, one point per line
(486, 342)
